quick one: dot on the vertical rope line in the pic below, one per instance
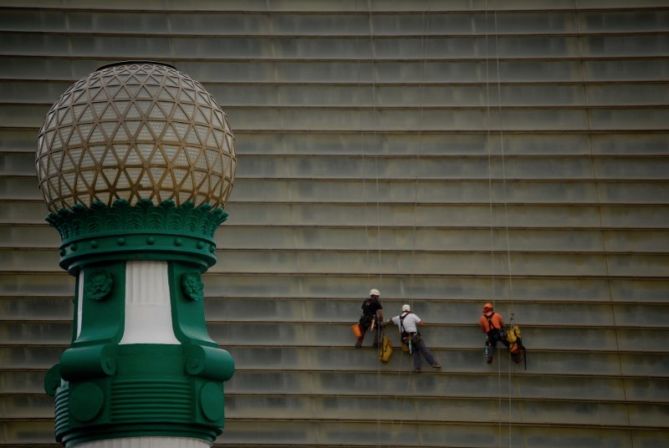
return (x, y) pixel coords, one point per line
(509, 290)
(604, 246)
(363, 171)
(488, 144)
(376, 121)
(417, 160)
(493, 243)
(364, 197)
(489, 149)
(376, 184)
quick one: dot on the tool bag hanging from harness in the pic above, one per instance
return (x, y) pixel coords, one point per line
(516, 347)
(385, 350)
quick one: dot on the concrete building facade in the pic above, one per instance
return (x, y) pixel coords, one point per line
(448, 153)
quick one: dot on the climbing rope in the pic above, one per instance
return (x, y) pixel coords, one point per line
(398, 400)
(491, 208)
(377, 212)
(605, 250)
(509, 291)
(490, 136)
(417, 159)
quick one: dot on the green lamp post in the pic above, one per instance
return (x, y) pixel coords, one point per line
(135, 162)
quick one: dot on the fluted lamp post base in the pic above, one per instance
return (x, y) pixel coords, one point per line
(142, 362)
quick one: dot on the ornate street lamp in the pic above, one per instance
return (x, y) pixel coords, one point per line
(135, 162)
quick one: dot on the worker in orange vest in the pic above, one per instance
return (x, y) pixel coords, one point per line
(492, 324)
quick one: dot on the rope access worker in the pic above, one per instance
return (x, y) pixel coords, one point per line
(408, 324)
(372, 317)
(492, 324)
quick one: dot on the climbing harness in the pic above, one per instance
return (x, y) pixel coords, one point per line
(405, 337)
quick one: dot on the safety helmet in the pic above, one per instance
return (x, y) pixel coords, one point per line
(406, 308)
(374, 292)
(487, 307)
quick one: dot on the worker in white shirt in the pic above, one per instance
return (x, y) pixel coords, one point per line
(408, 324)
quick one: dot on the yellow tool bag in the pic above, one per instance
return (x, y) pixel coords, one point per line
(516, 347)
(386, 350)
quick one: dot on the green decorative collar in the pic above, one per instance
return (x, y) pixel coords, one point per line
(140, 231)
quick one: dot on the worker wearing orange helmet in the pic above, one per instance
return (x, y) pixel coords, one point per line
(492, 324)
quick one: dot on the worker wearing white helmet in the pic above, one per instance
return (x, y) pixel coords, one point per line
(408, 324)
(372, 318)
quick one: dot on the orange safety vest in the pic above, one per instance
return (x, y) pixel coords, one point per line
(495, 318)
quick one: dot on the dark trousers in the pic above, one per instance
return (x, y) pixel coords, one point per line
(365, 325)
(419, 349)
(494, 336)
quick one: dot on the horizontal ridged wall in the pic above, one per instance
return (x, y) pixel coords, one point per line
(443, 152)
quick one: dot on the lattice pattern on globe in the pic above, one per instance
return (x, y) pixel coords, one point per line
(136, 130)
